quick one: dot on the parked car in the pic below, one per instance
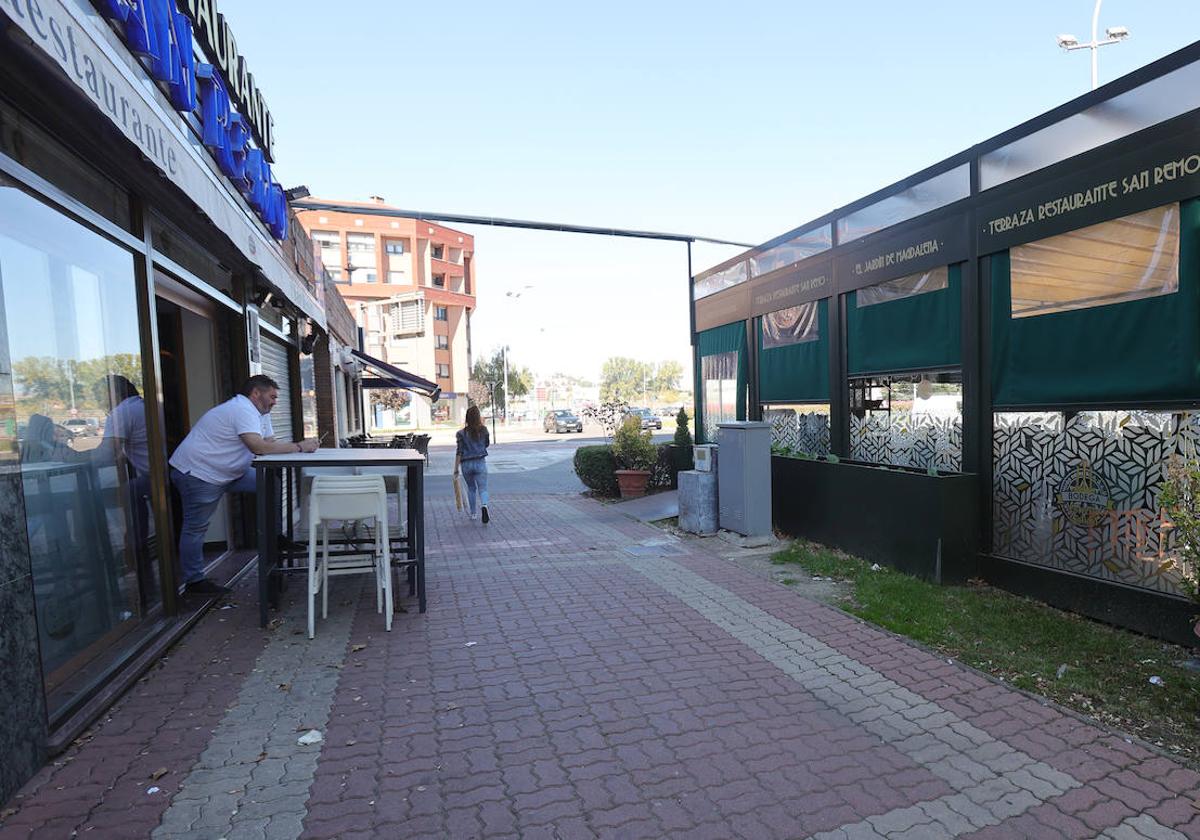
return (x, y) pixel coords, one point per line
(562, 420)
(82, 426)
(648, 418)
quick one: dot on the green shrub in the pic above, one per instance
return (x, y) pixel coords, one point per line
(632, 447)
(683, 431)
(596, 468)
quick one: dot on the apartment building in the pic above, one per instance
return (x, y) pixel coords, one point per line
(411, 287)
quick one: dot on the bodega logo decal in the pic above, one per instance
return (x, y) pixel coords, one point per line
(1083, 496)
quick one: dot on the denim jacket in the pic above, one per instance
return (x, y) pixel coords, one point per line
(470, 448)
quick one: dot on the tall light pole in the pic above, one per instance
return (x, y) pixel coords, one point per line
(1114, 35)
(504, 348)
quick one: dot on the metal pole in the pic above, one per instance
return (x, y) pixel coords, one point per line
(492, 385)
(1095, 44)
(505, 350)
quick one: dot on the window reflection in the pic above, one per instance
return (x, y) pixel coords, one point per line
(719, 376)
(71, 312)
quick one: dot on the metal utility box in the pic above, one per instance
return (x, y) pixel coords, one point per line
(703, 457)
(744, 477)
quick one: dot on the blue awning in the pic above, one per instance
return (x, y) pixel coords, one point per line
(391, 376)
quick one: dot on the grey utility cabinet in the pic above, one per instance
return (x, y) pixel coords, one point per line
(744, 477)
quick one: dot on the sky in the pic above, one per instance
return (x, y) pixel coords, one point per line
(738, 122)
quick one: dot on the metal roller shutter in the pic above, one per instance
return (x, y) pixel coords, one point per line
(275, 365)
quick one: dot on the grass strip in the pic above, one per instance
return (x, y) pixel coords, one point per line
(1027, 643)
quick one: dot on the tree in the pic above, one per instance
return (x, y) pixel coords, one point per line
(397, 399)
(623, 379)
(489, 370)
(666, 380)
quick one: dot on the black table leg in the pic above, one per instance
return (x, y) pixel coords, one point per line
(266, 541)
(417, 526)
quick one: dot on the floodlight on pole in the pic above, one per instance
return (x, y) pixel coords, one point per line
(1113, 35)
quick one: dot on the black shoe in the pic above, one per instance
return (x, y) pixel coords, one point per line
(204, 586)
(483, 514)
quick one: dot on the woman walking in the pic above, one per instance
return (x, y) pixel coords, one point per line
(470, 456)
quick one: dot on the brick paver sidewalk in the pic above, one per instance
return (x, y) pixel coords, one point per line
(582, 675)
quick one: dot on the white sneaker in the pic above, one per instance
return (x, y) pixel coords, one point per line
(471, 514)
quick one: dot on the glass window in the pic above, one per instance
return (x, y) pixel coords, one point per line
(793, 325)
(441, 313)
(1079, 492)
(71, 309)
(327, 238)
(397, 277)
(1113, 262)
(910, 420)
(438, 252)
(1154, 102)
(360, 242)
(439, 280)
(798, 431)
(394, 247)
(723, 279)
(908, 286)
(792, 251)
(443, 371)
(918, 199)
(443, 342)
(37, 151)
(719, 379)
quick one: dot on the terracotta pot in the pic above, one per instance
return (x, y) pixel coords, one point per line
(633, 483)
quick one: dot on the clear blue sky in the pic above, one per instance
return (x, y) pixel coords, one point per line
(739, 121)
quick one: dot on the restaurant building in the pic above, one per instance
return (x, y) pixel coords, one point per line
(149, 262)
(986, 368)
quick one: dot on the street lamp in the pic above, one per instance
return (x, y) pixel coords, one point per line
(504, 351)
(1114, 35)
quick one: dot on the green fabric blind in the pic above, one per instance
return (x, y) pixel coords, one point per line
(798, 372)
(1141, 351)
(913, 333)
(730, 338)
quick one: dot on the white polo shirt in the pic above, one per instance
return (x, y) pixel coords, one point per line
(213, 450)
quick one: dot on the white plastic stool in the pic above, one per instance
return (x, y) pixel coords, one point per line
(342, 498)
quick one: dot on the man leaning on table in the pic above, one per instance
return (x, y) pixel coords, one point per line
(214, 459)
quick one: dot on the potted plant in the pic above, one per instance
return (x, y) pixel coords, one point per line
(635, 455)
(1180, 500)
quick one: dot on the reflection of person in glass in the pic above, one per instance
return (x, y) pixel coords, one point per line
(126, 447)
(45, 441)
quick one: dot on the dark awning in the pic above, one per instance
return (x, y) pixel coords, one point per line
(391, 376)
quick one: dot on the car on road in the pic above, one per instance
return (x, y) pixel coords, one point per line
(648, 418)
(562, 420)
(82, 426)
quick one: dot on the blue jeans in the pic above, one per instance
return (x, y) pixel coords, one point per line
(200, 499)
(474, 473)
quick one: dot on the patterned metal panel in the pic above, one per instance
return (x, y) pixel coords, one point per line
(806, 432)
(1080, 494)
(904, 439)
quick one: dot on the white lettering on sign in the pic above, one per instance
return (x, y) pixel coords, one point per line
(899, 256)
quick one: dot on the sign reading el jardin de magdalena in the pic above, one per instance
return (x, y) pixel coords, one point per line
(232, 110)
